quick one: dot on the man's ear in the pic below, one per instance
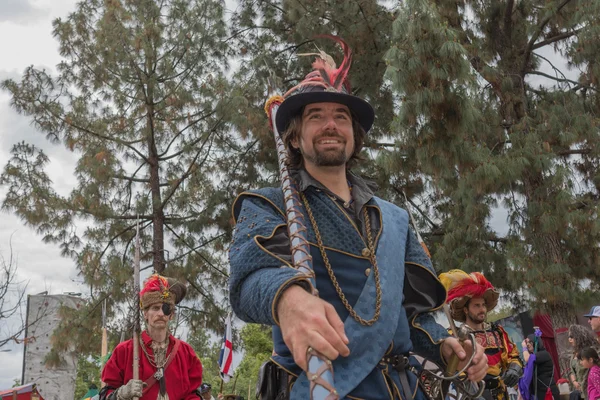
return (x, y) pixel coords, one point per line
(295, 143)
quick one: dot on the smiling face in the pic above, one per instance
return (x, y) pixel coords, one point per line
(476, 310)
(326, 138)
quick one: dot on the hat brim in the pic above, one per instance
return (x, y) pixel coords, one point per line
(457, 306)
(294, 104)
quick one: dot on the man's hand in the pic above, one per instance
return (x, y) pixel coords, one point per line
(512, 374)
(307, 321)
(577, 386)
(479, 365)
(132, 389)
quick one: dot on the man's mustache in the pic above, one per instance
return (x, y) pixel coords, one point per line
(329, 134)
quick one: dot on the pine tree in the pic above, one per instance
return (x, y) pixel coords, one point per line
(142, 99)
(485, 135)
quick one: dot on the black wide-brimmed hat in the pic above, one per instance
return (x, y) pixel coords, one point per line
(325, 84)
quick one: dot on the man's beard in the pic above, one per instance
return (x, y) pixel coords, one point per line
(328, 158)
(476, 319)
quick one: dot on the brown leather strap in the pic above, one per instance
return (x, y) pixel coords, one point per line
(317, 379)
(151, 381)
(400, 364)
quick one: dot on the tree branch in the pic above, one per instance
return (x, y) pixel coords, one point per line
(196, 251)
(412, 203)
(491, 238)
(560, 79)
(537, 34)
(187, 173)
(574, 151)
(560, 36)
(376, 145)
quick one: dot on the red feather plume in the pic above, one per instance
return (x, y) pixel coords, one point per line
(325, 73)
(155, 283)
(474, 286)
(335, 77)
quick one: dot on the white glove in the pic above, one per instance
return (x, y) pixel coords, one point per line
(132, 389)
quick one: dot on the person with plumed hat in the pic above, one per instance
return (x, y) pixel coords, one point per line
(168, 367)
(470, 298)
(376, 284)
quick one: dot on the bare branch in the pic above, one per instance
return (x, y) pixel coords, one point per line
(574, 151)
(537, 33)
(560, 36)
(561, 79)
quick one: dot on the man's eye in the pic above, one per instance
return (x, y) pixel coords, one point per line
(315, 116)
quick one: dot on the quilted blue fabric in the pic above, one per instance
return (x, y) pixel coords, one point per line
(258, 276)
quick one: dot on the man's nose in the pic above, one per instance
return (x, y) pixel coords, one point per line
(330, 122)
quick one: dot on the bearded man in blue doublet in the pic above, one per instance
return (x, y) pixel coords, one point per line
(376, 285)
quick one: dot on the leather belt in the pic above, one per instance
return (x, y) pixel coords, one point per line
(400, 363)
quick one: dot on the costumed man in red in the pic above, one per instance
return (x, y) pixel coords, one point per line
(471, 297)
(169, 367)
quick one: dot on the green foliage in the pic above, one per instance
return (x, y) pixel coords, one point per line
(88, 373)
(208, 352)
(488, 134)
(141, 98)
(256, 345)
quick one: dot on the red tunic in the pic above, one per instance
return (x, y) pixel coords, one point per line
(182, 377)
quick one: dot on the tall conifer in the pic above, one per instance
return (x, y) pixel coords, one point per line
(500, 111)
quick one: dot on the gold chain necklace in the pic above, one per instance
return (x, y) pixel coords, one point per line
(336, 285)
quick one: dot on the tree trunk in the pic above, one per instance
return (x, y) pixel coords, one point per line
(158, 216)
(562, 317)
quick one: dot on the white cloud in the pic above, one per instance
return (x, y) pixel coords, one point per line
(21, 11)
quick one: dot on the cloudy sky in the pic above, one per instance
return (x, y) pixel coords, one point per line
(26, 32)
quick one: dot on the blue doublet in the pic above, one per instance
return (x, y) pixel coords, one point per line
(410, 289)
